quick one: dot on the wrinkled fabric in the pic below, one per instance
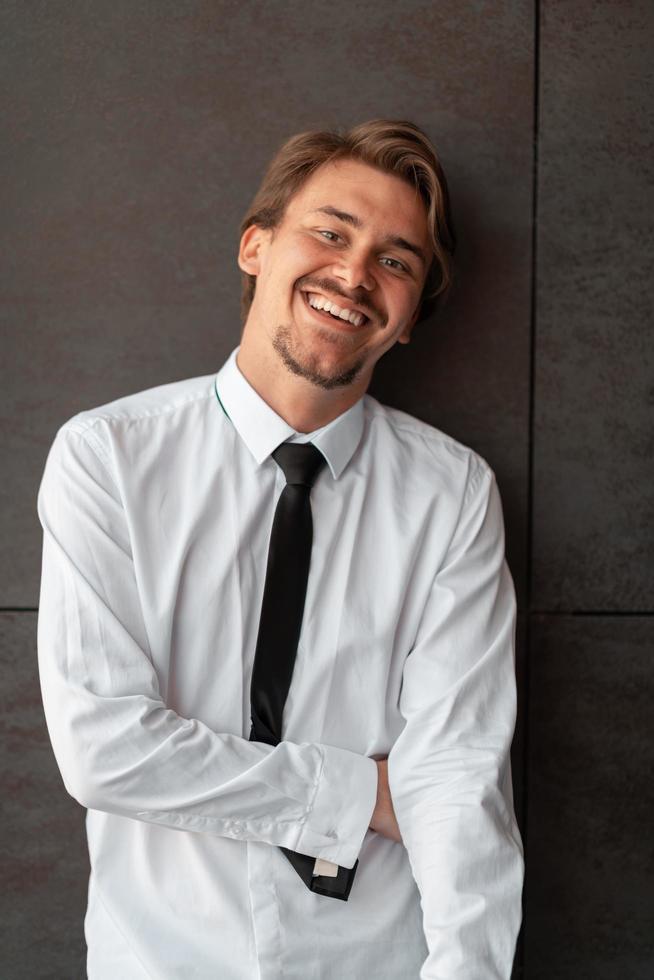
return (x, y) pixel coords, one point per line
(156, 512)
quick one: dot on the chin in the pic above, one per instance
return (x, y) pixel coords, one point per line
(318, 366)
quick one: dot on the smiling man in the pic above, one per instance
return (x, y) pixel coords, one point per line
(276, 624)
(336, 287)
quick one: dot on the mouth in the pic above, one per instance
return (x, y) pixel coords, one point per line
(323, 316)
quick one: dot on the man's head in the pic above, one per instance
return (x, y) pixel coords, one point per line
(361, 220)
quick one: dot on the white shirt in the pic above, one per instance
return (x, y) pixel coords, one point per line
(156, 511)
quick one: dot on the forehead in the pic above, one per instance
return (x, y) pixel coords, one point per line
(384, 203)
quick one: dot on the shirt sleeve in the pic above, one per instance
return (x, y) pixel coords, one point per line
(119, 747)
(449, 770)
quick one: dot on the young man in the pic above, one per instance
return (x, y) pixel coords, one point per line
(160, 559)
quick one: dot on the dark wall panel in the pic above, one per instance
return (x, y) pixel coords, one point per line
(590, 886)
(44, 856)
(137, 135)
(594, 433)
(590, 879)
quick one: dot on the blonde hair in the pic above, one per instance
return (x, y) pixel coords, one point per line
(394, 146)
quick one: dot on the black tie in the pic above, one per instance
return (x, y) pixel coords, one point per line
(282, 608)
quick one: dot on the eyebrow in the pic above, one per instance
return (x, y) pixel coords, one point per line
(352, 219)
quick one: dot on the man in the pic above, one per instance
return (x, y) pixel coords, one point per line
(393, 760)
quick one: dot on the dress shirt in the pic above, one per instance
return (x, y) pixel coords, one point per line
(157, 510)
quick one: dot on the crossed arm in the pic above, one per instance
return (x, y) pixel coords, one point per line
(119, 747)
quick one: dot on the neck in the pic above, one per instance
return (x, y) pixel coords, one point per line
(304, 405)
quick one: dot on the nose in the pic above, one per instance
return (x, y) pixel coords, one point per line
(353, 270)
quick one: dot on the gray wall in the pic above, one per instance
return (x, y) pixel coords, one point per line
(135, 136)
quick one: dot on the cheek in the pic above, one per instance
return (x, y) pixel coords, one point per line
(306, 251)
(396, 304)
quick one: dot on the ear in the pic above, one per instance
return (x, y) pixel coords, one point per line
(248, 253)
(405, 336)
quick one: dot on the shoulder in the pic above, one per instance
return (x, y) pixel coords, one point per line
(422, 448)
(150, 403)
(133, 418)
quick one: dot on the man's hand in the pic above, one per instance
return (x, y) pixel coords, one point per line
(383, 818)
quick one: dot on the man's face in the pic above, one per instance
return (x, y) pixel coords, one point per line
(358, 263)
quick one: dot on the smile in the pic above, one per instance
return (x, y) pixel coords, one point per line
(324, 309)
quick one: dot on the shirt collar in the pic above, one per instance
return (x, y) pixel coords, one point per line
(262, 429)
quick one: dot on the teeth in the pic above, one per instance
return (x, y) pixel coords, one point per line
(319, 302)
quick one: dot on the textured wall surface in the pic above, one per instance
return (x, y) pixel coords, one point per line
(590, 888)
(44, 856)
(135, 137)
(591, 797)
(593, 514)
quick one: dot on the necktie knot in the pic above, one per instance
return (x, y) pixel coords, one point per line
(300, 462)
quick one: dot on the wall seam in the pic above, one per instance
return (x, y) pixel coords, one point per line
(530, 461)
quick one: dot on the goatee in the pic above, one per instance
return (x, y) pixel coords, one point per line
(308, 368)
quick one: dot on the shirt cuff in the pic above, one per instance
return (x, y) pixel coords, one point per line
(342, 807)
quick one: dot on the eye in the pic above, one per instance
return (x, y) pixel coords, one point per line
(333, 233)
(398, 265)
